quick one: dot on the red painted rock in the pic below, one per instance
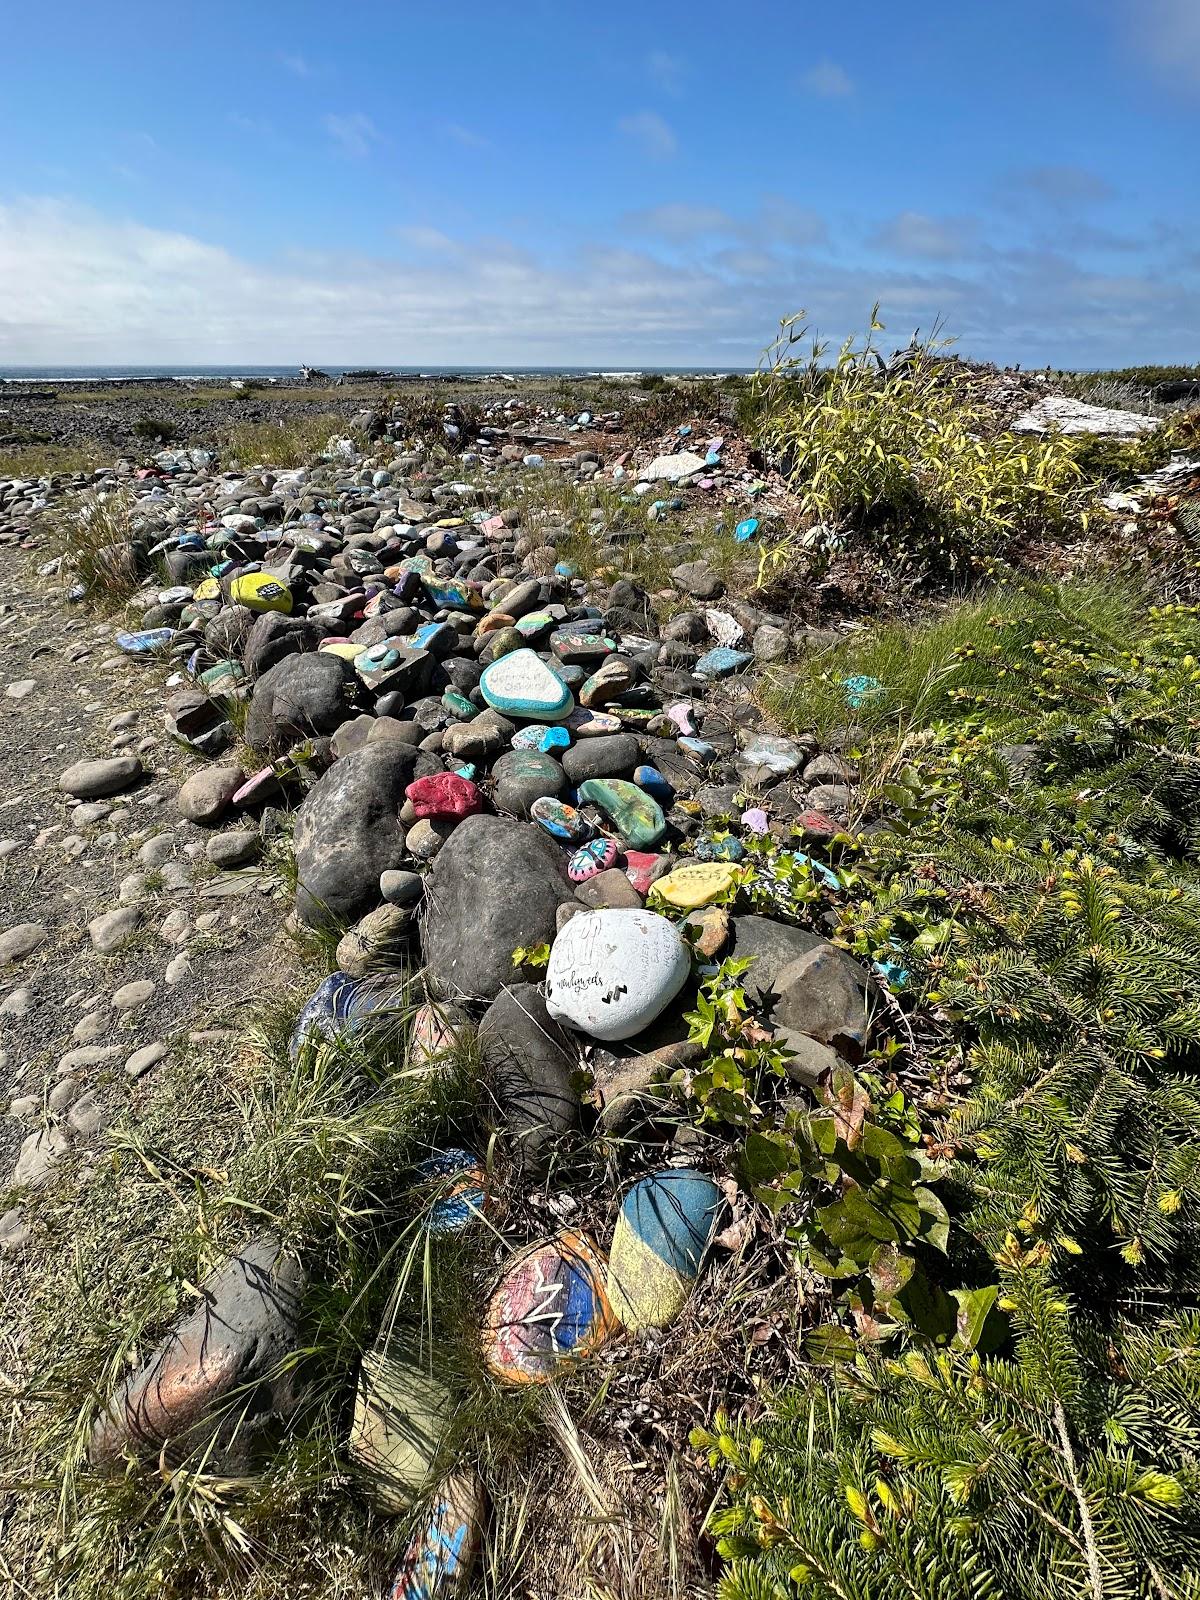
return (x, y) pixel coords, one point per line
(643, 867)
(817, 825)
(444, 795)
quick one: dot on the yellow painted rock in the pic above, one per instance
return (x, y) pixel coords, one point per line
(662, 1233)
(697, 884)
(207, 589)
(260, 592)
(401, 1412)
(345, 649)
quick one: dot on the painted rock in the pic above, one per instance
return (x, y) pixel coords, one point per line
(437, 1031)
(437, 637)
(663, 1230)
(643, 868)
(746, 529)
(521, 684)
(223, 677)
(598, 855)
(656, 786)
(725, 629)
(859, 691)
(585, 724)
(541, 739)
(145, 642)
(696, 884)
(455, 594)
(698, 751)
(401, 1411)
(325, 1013)
(611, 973)
(494, 622)
(721, 661)
(443, 1551)
(260, 786)
(459, 706)
(756, 820)
(378, 658)
(636, 817)
(535, 624)
(550, 1307)
(207, 589)
(344, 649)
(258, 591)
(818, 869)
(728, 849)
(560, 821)
(681, 716)
(817, 825)
(455, 1184)
(444, 794)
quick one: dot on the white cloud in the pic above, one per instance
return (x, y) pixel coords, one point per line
(777, 221)
(912, 233)
(667, 71)
(648, 130)
(296, 64)
(827, 80)
(79, 287)
(676, 220)
(353, 132)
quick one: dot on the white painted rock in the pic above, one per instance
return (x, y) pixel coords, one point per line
(1058, 413)
(669, 469)
(521, 684)
(612, 972)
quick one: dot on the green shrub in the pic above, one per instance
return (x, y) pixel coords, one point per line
(158, 429)
(902, 456)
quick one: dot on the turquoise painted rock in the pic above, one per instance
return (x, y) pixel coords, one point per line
(146, 642)
(721, 661)
(559, 820)
(662, 1233)
(455, 594)
(521, 684)
(445, 1547)
(459, 706)
(544, 740)
(632, 812)
(535, 624)
(611, 973)
(729, 849)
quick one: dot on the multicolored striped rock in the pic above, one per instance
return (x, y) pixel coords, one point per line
(560, 821)
(550, 1307)
(438, 1562)
(662, 1233)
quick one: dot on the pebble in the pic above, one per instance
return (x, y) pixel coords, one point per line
(90, 780)
(113, 929)
(611, 973)
(140, 1062)
(560, 821)
(132, 996)
(20, 941)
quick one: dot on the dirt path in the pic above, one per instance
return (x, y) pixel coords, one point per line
(208, 946)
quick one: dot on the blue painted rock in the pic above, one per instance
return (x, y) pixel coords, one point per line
(521, 684)
(746, 529)
(656, 786)
(455, 1183)
(598, 855)
(698, 750)
(636, 817)
(729, 849)
(260, 592)
(378, 658)
(860, 690)
(721, 661)
(443, 1551)
(544, 740)
(439, 638)
(342, 1005)
(550, 1307)
(611, 973)
(662, 1233)
(455, 594)
(560, 821)
(146, 642)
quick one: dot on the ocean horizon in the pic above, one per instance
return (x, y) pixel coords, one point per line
(184, 372)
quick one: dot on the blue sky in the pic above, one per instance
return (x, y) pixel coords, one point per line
(609, 184)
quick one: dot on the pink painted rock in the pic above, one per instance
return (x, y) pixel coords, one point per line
(681, 716)
(756, 820)
(642, 868)
(597, 856)
(444, 795)
(817, 825)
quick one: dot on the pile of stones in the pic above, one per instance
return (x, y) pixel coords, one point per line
(486, 755)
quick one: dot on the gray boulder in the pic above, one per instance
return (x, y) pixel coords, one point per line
(274, 636)
(769, 946)
(531, 1062)
(495, 884)
(348, 830)
(300, 696)
(826, 994)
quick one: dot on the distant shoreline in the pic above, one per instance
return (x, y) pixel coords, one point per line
(291, 375)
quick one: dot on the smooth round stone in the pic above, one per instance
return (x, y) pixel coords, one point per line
(636, 817)
(442, 1553)
(521, 684)
(258, 591)
(697, 884)
(612, 757)
(560, 821)
(535, 624)
(145, 642)
(504, 642)
(444, 795)
(656, 786)
(611, 973)
(401, 1411)
(523, 777)
(455, 1183)
(459, 706)
(377, 659)
(571, 675)
(664, 1228)
(400, 888)
(585, 724)
(549, 1308)
(681, 716)
(756, 820)
(699, 750)
(597, 856)
(542, 739)
(613, 679)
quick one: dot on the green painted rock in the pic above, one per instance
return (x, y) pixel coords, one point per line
(401, 1411)
(636, 817)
